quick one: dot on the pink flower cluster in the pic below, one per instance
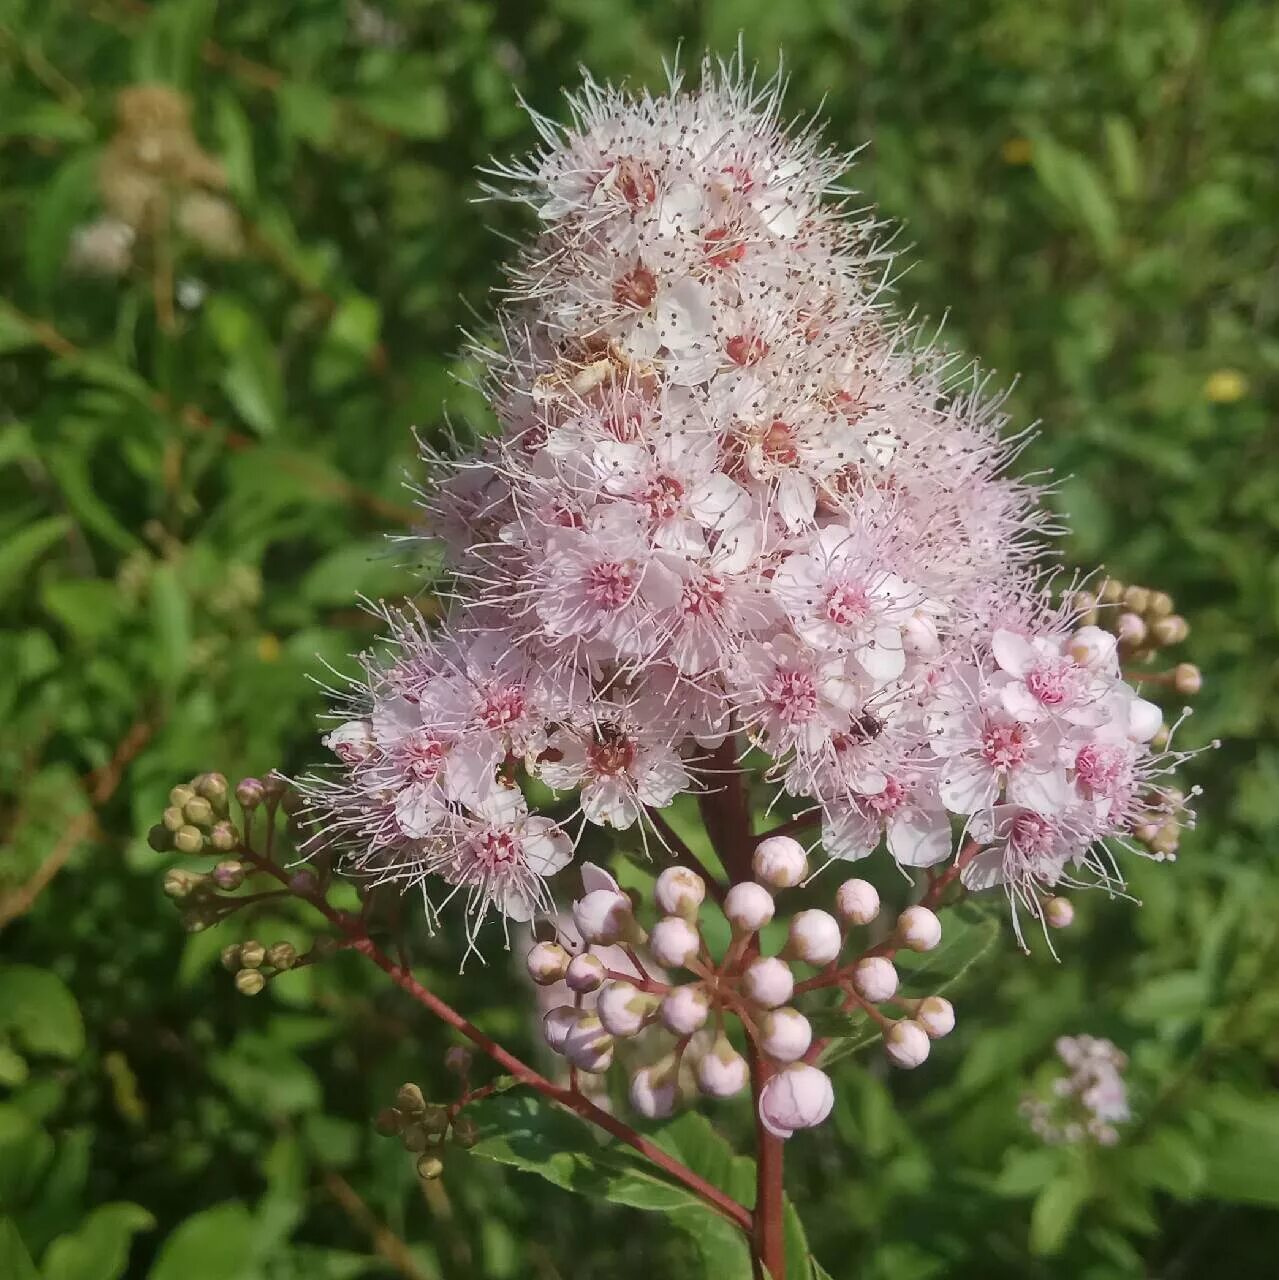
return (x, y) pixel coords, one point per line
(1089, 1101)
(730, 499)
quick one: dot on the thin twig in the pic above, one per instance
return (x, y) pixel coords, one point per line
(385, 1241)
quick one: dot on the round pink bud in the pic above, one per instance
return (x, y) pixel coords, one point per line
(351, 742)
(748, 906)
(768, 981)
(906, 1044)
(587, 1045)
(1145, 719)
(875, 979)
(624, 1009)
(585, 973)
(919, 928)
(674, 942)
(857, 901)
(798, 1097)
(814, 937)
(655, 1090)
(557, 1024)
(936, 1015)
(722, 1071)
(602, 916)
(679, 892)
(785, 1035)
(1059, 912)
(1091, 647)
(547, 963)
(779, 862)
(685, 1009)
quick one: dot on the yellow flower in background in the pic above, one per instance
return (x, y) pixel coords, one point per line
(1017, 151)
(268, 647)
(1225, 386)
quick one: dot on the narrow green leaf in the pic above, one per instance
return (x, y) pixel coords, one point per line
(20, 552)
(98, 1249)
(170, 625)
(1055, 1212)
(15, 1261)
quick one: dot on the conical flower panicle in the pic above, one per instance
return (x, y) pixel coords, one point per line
(731, 495)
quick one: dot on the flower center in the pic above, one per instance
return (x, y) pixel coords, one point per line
(423, 756)
(1031, 835)
(635, 182)
(1053, 684)
(719, 254)
(664, 496)
(702, 599)
(846, 603)
(502, 707)
(1099, 767)
(637, 288)
(744, 349)
(610, 584)
(611, 752)
(496, 850)
(792, 695)
(778, 444)
(887, 801)
(1004, 744)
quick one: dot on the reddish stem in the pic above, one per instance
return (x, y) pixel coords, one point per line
(359, 940)
(768, 1234)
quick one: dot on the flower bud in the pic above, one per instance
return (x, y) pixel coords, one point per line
(722, 1072)
(188, 839)
(1145, 719)
(1160, 605)
(684, 1010)
(179, 884)
(466, 1132)
(198, 811)
(429, 1167)
(679, 892)
(250, 793)
(936, 1015)
(275, 784)
(875, 979)
(248, 982)
(785, 1034)
(798, 1097)
(228, 875)
(814, 937)
(410, 1100)
(749, 907)
(458, 1059)
(252, 954)
(1059, 912)
(1130, 629)
(1137, 599)
(1187, 679)
(1091, 647)
(224, 837)
(588, 1046)
(388, 1122)
(1112, 591)
(557, 1024)
(434, 1118)
(768, 982)
(414, 1138)
(624, 1009)
(181, 795)
(919, 928)
(906, 1044)
(857, 901)
(585, 973)
(674, 942)
(779, 862)
(547, 963)
(230, 957)
(173, 819)
(160, 838)
(282, 956)
(603, 916)
(212, 786)
(1169, 631)
(654, 1090)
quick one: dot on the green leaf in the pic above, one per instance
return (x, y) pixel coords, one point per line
(13, 1067)
(1243, 1161)
(15, 333)
(360, 568)
(416, 111)
(1170, 996)
(39, 1011)
(15, 1261)
(215, 1244)
(251, 379)
(1055, 1212)
(170, 625)
(98, 1249)
(89, 608)
(23, 549)
(168, 46)
(1028, 1171)
(65, 200)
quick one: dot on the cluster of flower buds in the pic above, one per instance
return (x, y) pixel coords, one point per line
(1087, 1102)
(425, 1128)
(254, 964)
(625, 979)
(730, 503)
(155, 179)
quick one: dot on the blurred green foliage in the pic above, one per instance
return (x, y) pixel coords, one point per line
(198, 458)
